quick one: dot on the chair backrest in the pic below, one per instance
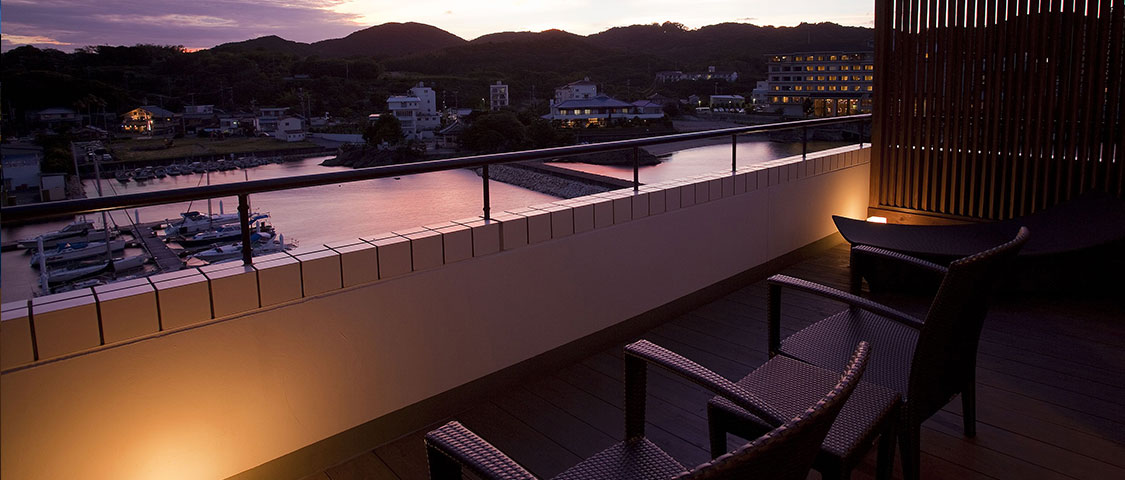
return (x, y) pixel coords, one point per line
(947, 345)
(787, 452)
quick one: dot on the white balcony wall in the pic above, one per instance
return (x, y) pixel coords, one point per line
(219, 397)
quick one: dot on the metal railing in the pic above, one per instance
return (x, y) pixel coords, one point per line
(243, 190)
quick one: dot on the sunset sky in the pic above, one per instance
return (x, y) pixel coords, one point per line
(69, 24)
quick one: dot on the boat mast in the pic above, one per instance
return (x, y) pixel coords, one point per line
(105, 224)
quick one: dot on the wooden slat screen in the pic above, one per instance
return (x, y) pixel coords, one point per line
(991, 109)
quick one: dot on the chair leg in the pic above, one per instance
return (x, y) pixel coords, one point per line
(885, 462)
(910, 439)
(969, 408)
(717, 433)
(441, 466)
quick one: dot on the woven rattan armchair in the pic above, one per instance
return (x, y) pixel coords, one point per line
(928, 362)
(784, 453)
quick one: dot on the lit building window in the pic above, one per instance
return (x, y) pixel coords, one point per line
(776, 99)
(833, 58)
(820, 58)
(869, 67)
(820, 78)
(869, 88)
(870, 77)
(820, 88)
(784, 99)
(832, 78)
(775, 87)
(810, 78)
(845, 67)
(808, 68)
(798, 88)
(820, 68)
(832, 88)
(800, 59)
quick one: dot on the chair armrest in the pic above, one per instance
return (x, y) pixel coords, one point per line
(651, 353)
(453, 446)
(883, 253)
(843, 297)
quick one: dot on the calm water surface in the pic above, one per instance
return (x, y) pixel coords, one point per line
(307, 215)
(707, 159)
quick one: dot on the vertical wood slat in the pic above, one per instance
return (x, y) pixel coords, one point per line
(997, 108)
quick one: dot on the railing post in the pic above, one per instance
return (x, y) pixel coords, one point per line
(484, 175)
(244, 223)
(733, 152)
(636, 169)
(861, 134)
(804, 142)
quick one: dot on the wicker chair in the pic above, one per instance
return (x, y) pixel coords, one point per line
(928, 362)
(786, 452)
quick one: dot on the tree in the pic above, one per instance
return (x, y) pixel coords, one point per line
(495, 132)
(386, 129)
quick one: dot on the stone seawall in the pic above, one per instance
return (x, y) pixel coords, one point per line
(550, 183)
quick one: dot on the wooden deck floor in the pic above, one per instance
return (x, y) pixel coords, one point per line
(1051, 391)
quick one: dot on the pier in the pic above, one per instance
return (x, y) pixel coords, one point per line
(163, 256)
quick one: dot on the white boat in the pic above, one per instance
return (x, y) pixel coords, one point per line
(193, 222)
(227, 232)
(264, 244)
(62, 275)
(50, 239)
(71, 252)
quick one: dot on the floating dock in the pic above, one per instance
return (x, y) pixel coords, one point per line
(166, 260)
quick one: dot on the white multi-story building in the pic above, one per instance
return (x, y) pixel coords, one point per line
(416, 112)
(826, 83)
(268, 118)
(498, 96)
(580, 90)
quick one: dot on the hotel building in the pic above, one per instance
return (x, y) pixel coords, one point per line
(824, 83)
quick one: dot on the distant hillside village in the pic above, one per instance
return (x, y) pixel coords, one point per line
(308, 97)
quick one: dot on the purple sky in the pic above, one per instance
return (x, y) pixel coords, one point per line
(69, 24)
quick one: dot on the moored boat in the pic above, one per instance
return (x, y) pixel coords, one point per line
(67, 252)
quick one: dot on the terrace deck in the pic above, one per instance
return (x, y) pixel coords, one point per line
(1051, 392)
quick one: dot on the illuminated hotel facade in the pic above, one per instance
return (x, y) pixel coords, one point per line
(823, 84)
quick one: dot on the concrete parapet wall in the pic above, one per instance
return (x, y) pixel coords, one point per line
(209, 372)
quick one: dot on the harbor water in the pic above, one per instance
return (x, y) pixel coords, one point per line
(331, 213)
(307, 215)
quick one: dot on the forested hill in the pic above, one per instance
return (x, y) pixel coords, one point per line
(348, 76)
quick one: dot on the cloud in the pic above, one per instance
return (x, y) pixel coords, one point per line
(195, 24)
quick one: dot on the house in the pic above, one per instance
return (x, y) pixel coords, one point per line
(600, 110)
(582, 89)
(267, 119)
(290, 129)
(649, 107)
(722, 103)
(236, 123)
(835, 82)
(196, 117)
(498, 96)
(416, 112)
(20, 169)
(149, 120)
(53, 117)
